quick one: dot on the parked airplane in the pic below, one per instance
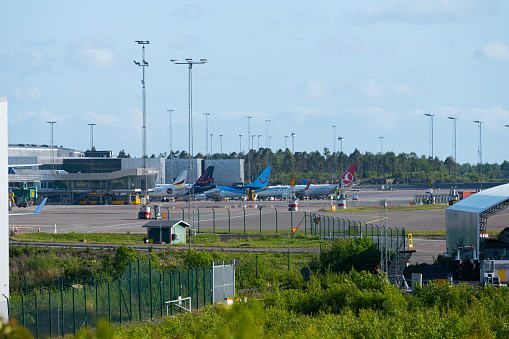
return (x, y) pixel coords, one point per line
(256, 186)
(166, 190)
(204, 183)
(37, 210)
(307, 190)
(345, 184)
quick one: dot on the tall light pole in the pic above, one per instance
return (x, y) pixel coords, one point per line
(341, 151)
(431, 152)
(211, 144)
(248, 146)
(479, 151)
(259, 135)
(91, 136)
(382, 156)
(221, 144)
(143, 64)
(293, 143)
(52, 151)
(454, 150)
(206, 134)
(334, 150)
(267, 139)
(190, 64)
(171, 147)
(240, 144)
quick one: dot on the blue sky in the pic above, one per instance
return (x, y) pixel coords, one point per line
(371, 68)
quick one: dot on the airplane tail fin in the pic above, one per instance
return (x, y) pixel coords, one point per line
(304, 182)
(262, 180)
(347, 179)
(206, 177)
(181, 179)
(41, 206)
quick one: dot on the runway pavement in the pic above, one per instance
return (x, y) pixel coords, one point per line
(233, 216)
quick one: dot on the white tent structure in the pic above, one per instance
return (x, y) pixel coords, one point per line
(466, 219)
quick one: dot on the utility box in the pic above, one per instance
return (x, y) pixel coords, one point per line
(167, 231)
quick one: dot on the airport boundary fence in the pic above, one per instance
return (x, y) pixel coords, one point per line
(277, 221)
(141, 293)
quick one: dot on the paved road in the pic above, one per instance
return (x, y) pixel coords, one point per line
(222, 216)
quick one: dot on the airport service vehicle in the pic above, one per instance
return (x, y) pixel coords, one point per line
(123, 199)
(167, 190)
(466, 264)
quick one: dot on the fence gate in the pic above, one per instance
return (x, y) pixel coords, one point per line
(223, 282)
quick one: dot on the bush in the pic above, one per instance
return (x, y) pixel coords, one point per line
(359, 254)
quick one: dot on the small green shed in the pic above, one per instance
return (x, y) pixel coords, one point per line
(167, 231)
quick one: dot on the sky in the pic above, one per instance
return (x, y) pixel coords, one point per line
(372, 69)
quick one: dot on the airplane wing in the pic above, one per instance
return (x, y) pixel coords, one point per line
(37, 210)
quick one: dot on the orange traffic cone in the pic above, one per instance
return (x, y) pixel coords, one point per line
(16, 230)
(38, 229)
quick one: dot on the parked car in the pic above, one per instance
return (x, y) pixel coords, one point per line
(22, 204)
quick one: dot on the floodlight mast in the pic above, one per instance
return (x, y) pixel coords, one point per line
(91, 136)
(190, 64)
(143, 64)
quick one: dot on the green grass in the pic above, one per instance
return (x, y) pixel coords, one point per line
(209, 240)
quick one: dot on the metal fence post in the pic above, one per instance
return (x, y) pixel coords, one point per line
(139, 290)
(214, 219)
(260, 208)
(397, 238)
(85, 305)
(198, 219)
(275, 209)
(229, 222)
(36, 317)
(150, 287)
(50, 316)
(291, 221)
(305, 223)
(62, 302)
(244, 219)
(109, 303)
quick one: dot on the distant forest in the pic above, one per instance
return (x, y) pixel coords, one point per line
(404, 168)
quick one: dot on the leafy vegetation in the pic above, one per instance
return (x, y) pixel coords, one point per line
(404, 168)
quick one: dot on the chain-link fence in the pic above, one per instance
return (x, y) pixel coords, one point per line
(139, 294)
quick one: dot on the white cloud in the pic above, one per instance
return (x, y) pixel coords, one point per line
(426, 11)
(30, 94)
(354, 46)
(496, 50)
(17, 117)
(298, 114)
(371, 89)
(102, 119)
(92, 53)
(315, 90)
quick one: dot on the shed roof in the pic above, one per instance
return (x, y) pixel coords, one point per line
(482, 201)
(166, 223)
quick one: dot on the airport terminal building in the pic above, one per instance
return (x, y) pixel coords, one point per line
(66, 175)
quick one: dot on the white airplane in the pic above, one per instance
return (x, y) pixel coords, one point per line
(345, 184)
(166, 190)
(309, 190)
(37, 210)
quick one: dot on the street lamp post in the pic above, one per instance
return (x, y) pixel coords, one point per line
(479, 152)
(206, 134)
(454, 150)
(143, 64)
(431, 153)
(171, 147)
(267, 139)
(249, 146)
(334, 150)
(240, 144)
(211, 144)
(52, 151)
(382, 157)
(293, 143)
(190, 64)
(221, 144)
(91, 136)
(341, 151)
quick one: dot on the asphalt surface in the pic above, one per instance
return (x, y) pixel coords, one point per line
(235, 215)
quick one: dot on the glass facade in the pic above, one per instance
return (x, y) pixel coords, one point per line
(91, 165)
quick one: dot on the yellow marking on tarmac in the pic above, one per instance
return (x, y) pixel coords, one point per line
(369, 222)
(23, 227)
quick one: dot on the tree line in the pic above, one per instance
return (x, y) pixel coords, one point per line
(371, 168)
